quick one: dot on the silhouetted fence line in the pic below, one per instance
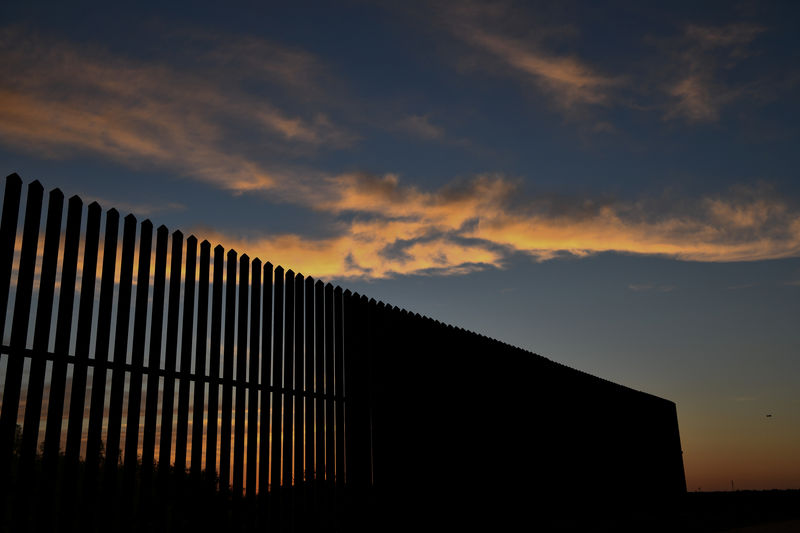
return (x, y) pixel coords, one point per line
(157, 353)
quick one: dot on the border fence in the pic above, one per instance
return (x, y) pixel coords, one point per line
(148, 370)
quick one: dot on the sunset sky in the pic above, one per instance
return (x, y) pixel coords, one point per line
(611, 185)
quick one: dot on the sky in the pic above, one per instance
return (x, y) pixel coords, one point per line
(611, 185)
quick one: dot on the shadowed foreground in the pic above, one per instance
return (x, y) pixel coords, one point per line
(166, 500)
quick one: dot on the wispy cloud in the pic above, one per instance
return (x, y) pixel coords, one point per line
(697, 91)
(60, 98)
(420, 126)
(567, 80)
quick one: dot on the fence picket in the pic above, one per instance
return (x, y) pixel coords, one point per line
(187, 336)
(200, 371)
(19, 323)
(137, 351)
(252, 379)
(41, 331)
(299, 378)
(214, 364)
(99, 376)
(227, 374)
(339, 384)
(266, 368)
(170, 355)
(120, 346)
(66, 299)
(330, 403)
(310, 397)
(299, 400)
(277, 380)
(241, 376)
(154, 352)
(77, 402)
(8, 236)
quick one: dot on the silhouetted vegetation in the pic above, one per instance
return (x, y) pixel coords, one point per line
(159, 500)
(167, 500)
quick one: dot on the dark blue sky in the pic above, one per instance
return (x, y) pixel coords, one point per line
(613, 186)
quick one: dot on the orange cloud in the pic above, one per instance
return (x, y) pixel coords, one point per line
(61, 99)
(474, 224)
(567, 80)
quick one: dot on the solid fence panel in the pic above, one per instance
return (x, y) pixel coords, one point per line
(227, 374)
(266, 386)
(380, 351)
(77, 402)
(64, 321)
(357, 427)
(214, 365)
(19, 323)
(358, 455)
(137, 350)
(99, 376)
(241, 376)
(154, 352)
(201, 344)
(187, 353)
(41, 330)
(170, 354)
(117, 394)
(252, 379)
